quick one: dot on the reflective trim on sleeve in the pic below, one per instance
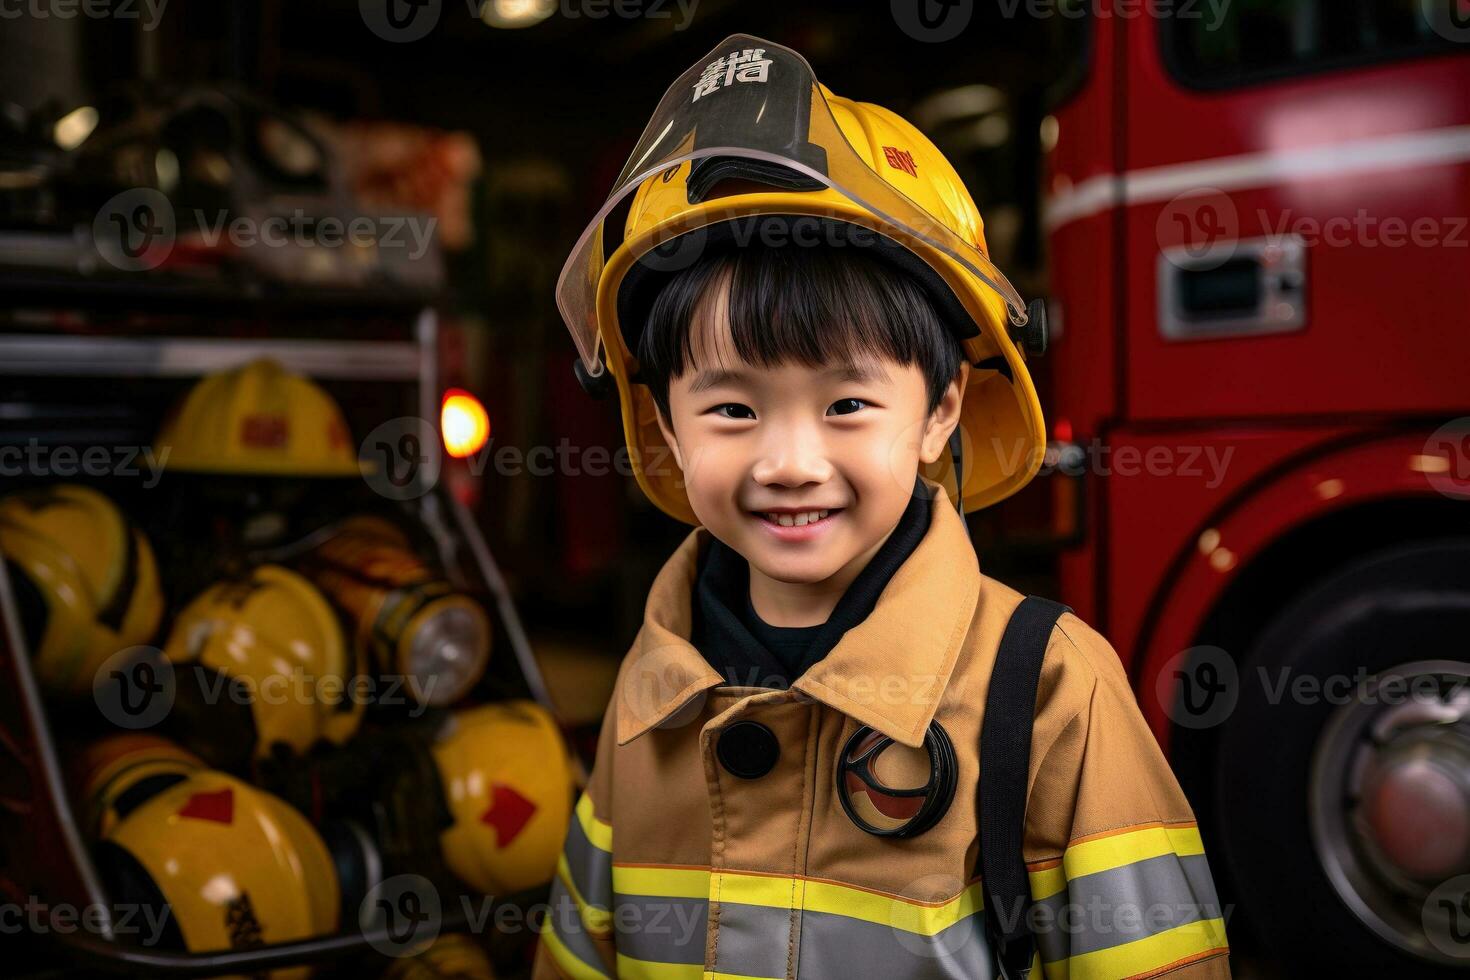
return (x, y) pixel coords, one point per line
(568, 940)
(632, 969)
(585, 866)
(598, 832)
(1130, 901)
(1151, 956)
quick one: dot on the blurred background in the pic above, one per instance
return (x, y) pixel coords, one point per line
(282, 380)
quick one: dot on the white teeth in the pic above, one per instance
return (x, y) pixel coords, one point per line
(797, 520)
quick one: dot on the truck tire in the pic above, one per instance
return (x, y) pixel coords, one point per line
(1343, 773)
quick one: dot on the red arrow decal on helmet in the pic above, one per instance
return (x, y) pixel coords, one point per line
(218, 806)
(508, 813)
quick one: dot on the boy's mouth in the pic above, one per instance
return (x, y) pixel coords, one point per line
(797, 525)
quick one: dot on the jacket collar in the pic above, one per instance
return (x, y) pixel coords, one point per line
(888, 672)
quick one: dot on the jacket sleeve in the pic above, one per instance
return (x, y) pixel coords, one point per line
(577, 936)
(1121, 887)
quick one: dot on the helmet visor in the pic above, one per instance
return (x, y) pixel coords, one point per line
(753, 110)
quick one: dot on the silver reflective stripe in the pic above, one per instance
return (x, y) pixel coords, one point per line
(661, 930)
(566, 921)
(1125, 904)
(753, 940)
(836, 947)
(590, 865)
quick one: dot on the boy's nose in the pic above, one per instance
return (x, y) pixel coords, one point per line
(792, 458)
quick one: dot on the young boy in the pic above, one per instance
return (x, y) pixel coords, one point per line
(805, 334)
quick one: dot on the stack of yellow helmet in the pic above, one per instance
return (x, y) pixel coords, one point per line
(217, 863)
(113, 773)
(258, 419)
(507, 779)
(451, 957)
(265, 664)
(88, 586)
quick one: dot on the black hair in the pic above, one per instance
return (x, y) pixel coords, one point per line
(812, 306)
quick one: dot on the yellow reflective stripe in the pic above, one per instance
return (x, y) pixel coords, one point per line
(925, 919)
(1189, 941)
(599, 832)
(771, 891)
(1047, 882)
(596, 920)
(788, 892)
(631, 969)
(661, 881)
(1115, 850)
(716, 975)
(566, 959)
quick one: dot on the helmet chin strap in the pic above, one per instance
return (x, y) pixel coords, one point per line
(957, 453)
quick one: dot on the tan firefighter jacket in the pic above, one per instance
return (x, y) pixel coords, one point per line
(675, 866)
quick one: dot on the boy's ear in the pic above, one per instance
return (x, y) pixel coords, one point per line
(945, 417)
(667, 429)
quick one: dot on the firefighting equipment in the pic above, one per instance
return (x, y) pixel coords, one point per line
(788, 885)
(406, 621)
(508, 781)
(453, 957)
(237, 867)
(89, 585)
(378, 802)
(748, 142)
(113, 775)
(258, 420)
(269, 666)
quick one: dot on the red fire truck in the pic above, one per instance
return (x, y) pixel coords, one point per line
(1257, 218)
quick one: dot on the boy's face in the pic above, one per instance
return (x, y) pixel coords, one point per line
(802, 470)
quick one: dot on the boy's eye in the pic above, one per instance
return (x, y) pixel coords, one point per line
(734, 410)
(845, 406)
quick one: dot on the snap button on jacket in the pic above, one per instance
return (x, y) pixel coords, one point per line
(675, 866)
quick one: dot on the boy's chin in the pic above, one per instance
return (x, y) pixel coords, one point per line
(794, 570)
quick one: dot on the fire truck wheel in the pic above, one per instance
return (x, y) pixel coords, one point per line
(1343, 794)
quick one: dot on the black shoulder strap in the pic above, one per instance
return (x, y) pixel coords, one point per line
(1005, 761)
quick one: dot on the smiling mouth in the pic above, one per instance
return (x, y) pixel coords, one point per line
(796, 519)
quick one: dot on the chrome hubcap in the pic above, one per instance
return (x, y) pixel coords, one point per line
(1390, 803)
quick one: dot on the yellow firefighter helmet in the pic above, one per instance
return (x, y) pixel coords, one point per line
(236, 867)
(452, 957)
(271, 664)
(259, 420)
(508, 782)
(115, 774)
(748, 137)
(90, 584)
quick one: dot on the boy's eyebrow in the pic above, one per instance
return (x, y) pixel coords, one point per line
(854, 371)
(850, 371)
(705, 380)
